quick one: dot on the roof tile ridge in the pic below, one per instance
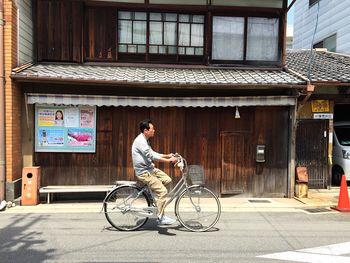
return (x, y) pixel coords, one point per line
(298, 75)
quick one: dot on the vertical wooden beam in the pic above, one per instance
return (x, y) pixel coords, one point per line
(292, 144)
(208, 37)
(330, 148)
(245, 39)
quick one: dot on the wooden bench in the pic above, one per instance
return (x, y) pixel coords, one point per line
(51, 189)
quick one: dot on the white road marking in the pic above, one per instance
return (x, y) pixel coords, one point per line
(324, 254)
(336, 249)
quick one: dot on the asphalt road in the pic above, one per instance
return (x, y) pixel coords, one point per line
(239, 237)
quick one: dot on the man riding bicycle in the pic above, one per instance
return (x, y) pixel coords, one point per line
(143, 157)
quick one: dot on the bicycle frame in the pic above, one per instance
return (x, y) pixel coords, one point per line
(150, 211)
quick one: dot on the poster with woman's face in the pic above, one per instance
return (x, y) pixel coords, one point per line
(65, 129)
(59, 118)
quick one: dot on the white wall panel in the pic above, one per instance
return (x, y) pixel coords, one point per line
(334, 18)
(25, 31)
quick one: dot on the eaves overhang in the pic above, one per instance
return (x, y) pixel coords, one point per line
(158, 77)
(321, 67)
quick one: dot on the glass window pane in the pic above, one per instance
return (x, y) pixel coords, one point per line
(262, 40)
(198, 19)
(162, 50)
(124, 15)
(139, 32)
(330, 43)
(124, 31)
(228, 34)
(170, 17)
(156, 33)
(141, 49)
(153, 49)
(181, 50)
(122, 48)
(140, 16)
(132, 48)
(156, 16)
(184, 34)
(171, 50)
(197, 36)
(184, 18)
(189, 51)
(199, 51)
(170, 33)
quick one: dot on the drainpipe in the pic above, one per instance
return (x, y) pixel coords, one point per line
(2, 104)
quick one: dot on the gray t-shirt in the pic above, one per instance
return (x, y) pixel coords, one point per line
(143, 155)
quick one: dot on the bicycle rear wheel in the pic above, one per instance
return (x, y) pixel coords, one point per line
(198, 209)
(119, 207)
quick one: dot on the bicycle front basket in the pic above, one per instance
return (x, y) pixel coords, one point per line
(196, 174)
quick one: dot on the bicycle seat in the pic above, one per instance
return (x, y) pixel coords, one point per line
(125, 182)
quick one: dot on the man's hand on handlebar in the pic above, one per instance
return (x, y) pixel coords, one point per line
(173, 159)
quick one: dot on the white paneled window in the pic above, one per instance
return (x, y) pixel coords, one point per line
(262, 39)
(132, 32)
(228, 38)
(169, 33)
(163, 33)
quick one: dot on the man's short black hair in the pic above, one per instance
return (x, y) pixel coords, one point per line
(145, 125)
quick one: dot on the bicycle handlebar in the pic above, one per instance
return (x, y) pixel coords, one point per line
(181, 162)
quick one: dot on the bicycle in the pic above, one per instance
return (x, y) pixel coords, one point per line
(128, 207)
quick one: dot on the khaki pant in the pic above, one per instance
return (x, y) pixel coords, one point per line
(156, 182)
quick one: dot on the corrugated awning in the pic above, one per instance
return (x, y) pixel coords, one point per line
(98, 100)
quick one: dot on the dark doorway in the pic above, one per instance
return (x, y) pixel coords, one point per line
(311, 150)
(341, 112)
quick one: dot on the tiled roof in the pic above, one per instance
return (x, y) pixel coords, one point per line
(325, 66)
(153, 75)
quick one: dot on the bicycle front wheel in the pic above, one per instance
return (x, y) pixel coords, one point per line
(197, 208)
(120, 206)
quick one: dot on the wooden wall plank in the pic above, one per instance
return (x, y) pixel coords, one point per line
(100, 37)
(196, 133)
(59, 31)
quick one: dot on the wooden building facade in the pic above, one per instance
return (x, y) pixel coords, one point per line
(225, 56)
(224, 146)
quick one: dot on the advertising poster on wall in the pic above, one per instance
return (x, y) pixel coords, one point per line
(86, 118)
(46, 117)
(79, 137)
(49, 137)
(65, 129)
(71, 117)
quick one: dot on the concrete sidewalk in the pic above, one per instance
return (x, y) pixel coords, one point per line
(316, 199)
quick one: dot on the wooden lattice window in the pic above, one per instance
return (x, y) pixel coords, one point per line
(160, 33)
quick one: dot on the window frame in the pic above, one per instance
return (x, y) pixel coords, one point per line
(133, 20)
(167, 56)
(320, 44)
(245, 41)
(93, 44)
(313, 2)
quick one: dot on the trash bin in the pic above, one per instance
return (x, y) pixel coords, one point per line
(30, 185)
(301, 182)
